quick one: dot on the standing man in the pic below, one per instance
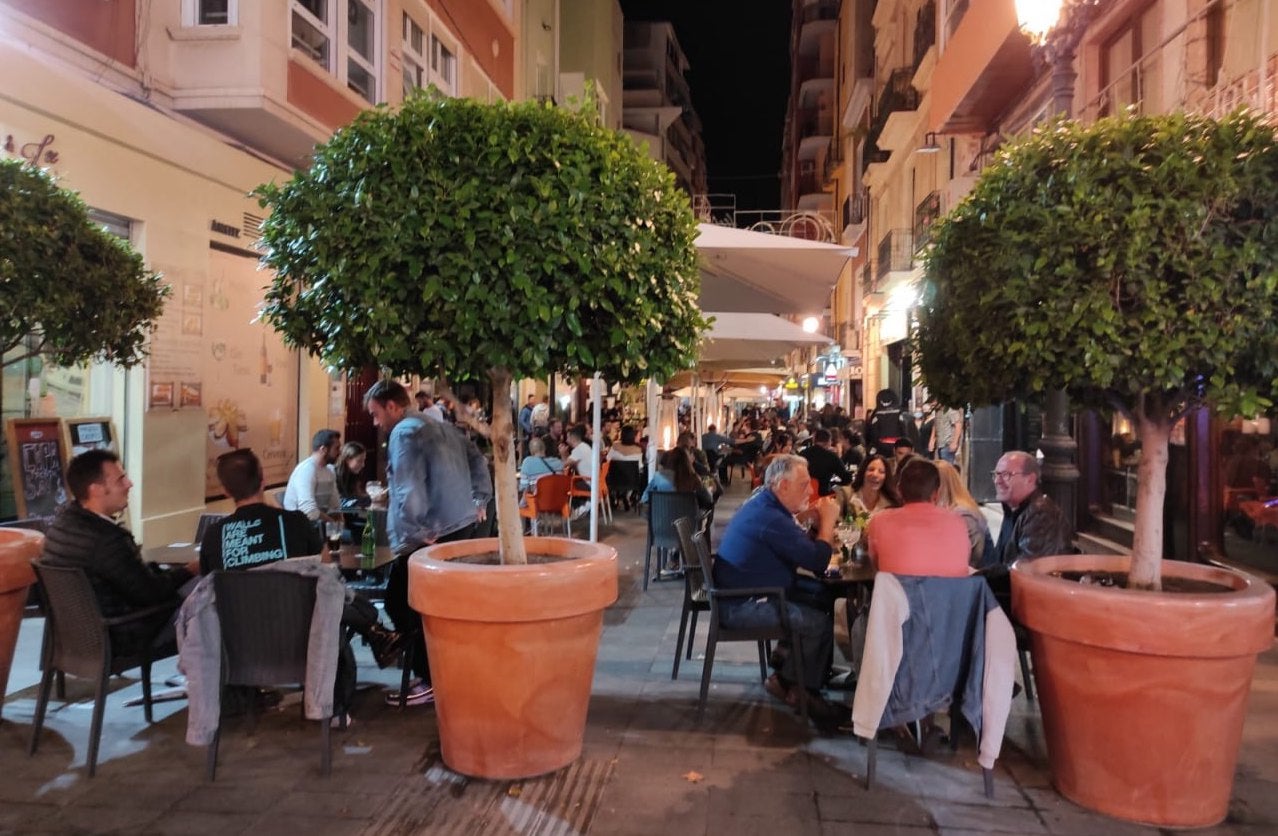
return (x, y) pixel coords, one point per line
(947, 434)
(540, 417)
(84, 535)
(1033, 525)
(525, 421)
(824, 463)
(439, 487)
(762, 547)
(312, 487)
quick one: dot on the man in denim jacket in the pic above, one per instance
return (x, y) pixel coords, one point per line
(439, 490)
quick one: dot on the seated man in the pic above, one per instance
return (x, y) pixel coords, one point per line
(312, 487)
(919, 538)
(762, 547)
(84, 535)
(582, 452)
(257, 534)
(537, 464)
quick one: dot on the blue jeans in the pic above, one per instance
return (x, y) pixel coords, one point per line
(945, 454)
(812, 627)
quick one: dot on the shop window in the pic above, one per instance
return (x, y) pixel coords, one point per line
(341, 36)
(1248, 464)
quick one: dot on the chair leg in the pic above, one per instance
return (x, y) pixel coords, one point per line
(692, 636)
(326, 753)
(146, 691)
(763, 662)
(410, 659)
(42, 703)
(988, 775)
(706, 668)
(871, 754)
(647, 562)
(95, 727)
(1025, 675)
(796, 648)
(62, 686)
(212, 752)
(683, 626)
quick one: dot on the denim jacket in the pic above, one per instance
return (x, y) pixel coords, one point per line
(438, 479)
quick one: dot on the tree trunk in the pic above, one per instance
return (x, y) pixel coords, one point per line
(1154, 429)
(505, 481)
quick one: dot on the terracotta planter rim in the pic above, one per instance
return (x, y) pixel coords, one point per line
(1249, 605)
(18, 547)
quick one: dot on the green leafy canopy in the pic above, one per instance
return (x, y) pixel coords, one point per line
(457, 236)
(77, 291)
(1134, 261)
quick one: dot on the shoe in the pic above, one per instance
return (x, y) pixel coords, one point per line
(386, 645)
(341, 722)
(419, 693)
(778, 689)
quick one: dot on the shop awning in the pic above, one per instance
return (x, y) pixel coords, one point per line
(747, 340)
(757, 272)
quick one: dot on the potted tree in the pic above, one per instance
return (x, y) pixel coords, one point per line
(1134, 263)
(499, 241)
(73, 293)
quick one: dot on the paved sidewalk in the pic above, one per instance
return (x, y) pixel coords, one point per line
(648, 766)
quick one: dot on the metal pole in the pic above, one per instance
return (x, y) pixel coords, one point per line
(596, 397)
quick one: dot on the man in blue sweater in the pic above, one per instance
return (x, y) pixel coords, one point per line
(762, 547)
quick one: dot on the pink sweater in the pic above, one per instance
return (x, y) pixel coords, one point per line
(919, 539)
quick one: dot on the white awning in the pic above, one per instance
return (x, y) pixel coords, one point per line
(746, 340)
(757, 272)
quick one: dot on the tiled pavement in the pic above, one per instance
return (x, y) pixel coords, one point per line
(648, 766)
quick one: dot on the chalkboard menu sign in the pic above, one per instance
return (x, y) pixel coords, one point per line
(36, 457)
(82, 434)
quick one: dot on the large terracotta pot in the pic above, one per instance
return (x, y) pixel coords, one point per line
(512, 651)
(18, 547)
(1143, 694)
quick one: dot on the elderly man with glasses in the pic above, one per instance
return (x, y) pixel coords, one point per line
(1033, 524)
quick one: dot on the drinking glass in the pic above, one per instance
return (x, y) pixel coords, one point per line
(333, 534)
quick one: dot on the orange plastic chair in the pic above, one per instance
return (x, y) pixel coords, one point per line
(581, 489)
(549, 495)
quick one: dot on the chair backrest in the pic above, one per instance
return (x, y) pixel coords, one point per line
(624, 476)
(665, 508)
(203, 526)
(697, 578)
(266, 625)
(80, 642)
(550, 493)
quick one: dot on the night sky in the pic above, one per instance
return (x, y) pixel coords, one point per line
(739, 57)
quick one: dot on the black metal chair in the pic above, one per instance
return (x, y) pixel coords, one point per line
(763, 636)
(203, 526)
(77, 640)
(664, 507)
(695, 598)
(265, 622)
(625, 483)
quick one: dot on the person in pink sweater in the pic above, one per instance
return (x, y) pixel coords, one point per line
(919, 538)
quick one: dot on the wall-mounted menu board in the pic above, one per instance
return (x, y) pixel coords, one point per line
(36, 458)
(81, 434)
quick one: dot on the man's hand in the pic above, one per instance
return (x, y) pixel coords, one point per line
(192, 566)
(827, 508)
(481, 513)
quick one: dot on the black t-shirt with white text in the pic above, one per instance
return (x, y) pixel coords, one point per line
(255, 535)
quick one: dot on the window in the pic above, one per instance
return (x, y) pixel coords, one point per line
(414, 48)
(340, 36)
(443, 66)
(210, 12)
(1131, 66)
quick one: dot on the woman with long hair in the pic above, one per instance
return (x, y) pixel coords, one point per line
(955, 496)
(872, 491)
(350, 485)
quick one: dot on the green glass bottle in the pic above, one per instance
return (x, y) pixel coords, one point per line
(368, 545)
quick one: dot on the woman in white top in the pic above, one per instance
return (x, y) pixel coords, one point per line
(626, 450)
(955, 496)
(871, 489)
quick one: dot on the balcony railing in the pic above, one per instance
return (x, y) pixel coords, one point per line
(810, 68)
(821, 10)
(833, 158)
(855, 207)
(958, 8)
(896, 253)
(924, 32)
(807, 183)
(898, 94)
(925, 214)
(814, 121)
(867, 278)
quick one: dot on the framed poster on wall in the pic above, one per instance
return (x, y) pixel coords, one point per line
(36, 459)
(82, 434)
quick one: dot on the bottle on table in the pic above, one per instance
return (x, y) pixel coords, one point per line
(368, 545)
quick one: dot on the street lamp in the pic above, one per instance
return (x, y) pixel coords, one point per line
(1055, 28)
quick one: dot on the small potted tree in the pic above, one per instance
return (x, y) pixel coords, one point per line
(73, 293)
(499, 241)
(1134, 263)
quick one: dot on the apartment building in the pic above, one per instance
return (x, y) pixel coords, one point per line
(657, 103)
(983, 83)
(164, 115)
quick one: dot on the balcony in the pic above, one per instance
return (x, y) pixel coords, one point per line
(925, 214)
(897, 114)
(815, 121)
(856, 208)
(896, 253)
(924, 32)
(868, 284)
(833, 159)
(820, 10)
(814, 67)
(984, 66)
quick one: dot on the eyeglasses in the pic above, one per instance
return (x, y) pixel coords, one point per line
(1004, 475)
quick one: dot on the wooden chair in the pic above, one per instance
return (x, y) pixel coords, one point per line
(581, 489)
(77, 640)
(763, 636)
(549, 495)
(266, 625)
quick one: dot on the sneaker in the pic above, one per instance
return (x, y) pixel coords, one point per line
(386, 645)
(419, 693)
(341, 722)
(779, 690)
